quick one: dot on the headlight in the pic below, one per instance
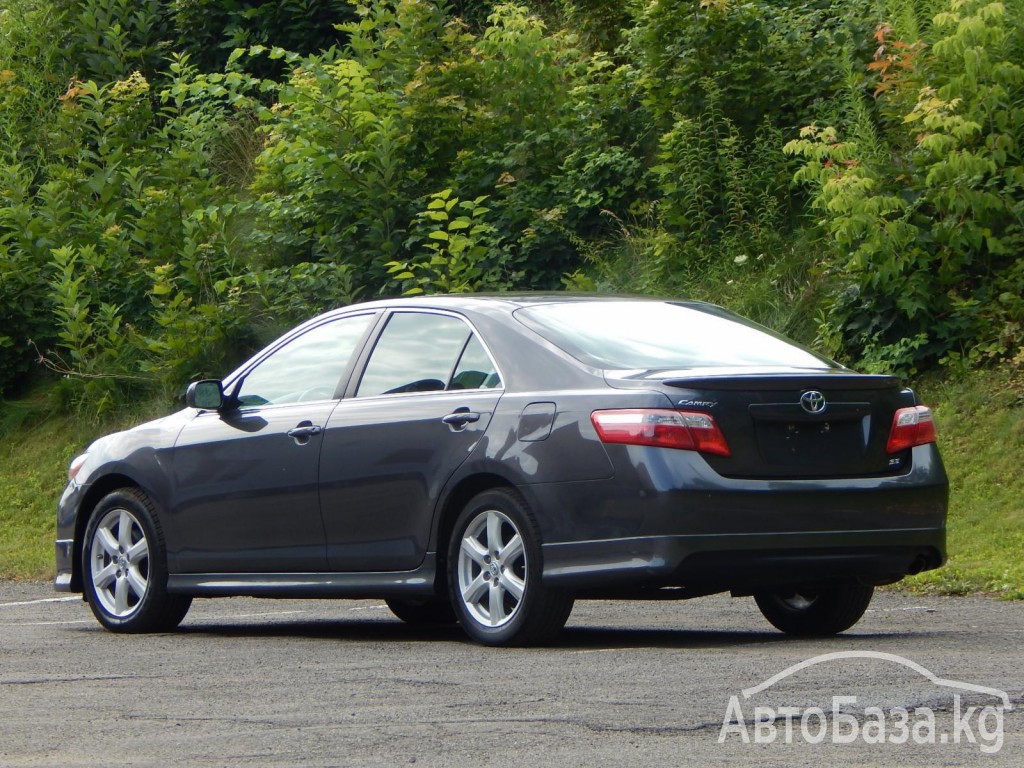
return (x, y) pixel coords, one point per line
(76, 465)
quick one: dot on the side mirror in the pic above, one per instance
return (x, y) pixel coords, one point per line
(207, 395)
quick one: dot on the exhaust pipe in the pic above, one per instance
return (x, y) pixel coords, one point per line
(919, 564)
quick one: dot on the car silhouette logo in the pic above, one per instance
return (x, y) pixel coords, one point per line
(977, 725)
(1003, 696)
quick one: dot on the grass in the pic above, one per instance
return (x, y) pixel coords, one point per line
(34, 456)
(36, 445)
(980, 417)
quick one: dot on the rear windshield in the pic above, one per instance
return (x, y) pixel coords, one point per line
(641, 335)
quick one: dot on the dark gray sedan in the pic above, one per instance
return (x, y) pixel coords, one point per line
(489, 460)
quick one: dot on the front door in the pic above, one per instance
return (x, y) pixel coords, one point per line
(245, 496)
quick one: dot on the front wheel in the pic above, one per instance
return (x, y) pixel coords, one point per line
(821, 610)
(124, 566)
(495, 571)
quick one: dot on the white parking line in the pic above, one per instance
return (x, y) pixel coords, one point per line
(42, 600)
(917, 608)
(42, 623)
(251, 615)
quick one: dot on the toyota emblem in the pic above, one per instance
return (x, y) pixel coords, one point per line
(813, 401)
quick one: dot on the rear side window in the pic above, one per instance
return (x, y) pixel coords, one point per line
(420, 352)
(640, 335)
(476, 369)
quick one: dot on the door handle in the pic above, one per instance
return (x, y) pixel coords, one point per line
(303, 432)
(460, 418)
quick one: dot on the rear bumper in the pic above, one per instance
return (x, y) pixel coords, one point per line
(741, 562)
(678, 523)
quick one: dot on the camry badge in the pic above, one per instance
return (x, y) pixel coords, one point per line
(813, 401)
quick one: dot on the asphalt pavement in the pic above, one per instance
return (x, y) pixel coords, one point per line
(920, 681)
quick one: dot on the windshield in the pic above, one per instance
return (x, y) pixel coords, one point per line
(647, 335)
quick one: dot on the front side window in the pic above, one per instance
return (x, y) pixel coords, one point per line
(307, 368)
(420, 352)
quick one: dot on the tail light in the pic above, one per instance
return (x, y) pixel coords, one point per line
(910, 427)
(661, 428)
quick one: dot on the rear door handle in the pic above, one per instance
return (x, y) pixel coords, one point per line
(460, 418)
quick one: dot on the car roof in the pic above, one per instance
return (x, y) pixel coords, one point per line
(510, 299)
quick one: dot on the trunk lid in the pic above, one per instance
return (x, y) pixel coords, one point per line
(789, 424)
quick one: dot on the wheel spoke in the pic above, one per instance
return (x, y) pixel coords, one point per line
(472, 592)
(138, 551)
(512, 550)
(513, 584)
(475, 550)
(107, 541)
(496, 608)
(494, 531)
(124, 530)
(103, 577)
(121, 597)
(137, 582)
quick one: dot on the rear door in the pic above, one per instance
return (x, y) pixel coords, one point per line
(423, 402)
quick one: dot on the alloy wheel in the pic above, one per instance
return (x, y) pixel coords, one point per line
(119, 563)
(492, 568)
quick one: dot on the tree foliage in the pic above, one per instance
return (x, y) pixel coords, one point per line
(927, 210)
(181, 180)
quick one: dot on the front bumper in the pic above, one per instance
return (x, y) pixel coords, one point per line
(64, 555)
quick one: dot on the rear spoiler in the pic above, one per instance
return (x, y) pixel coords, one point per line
(784, 381)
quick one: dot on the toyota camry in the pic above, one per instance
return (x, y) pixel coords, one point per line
(488, 460)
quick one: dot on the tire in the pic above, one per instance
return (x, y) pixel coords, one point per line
(124, 566)
(424, 611)
(494, 574)
(824, 610)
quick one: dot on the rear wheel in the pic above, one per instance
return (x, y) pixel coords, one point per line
(422, 611)
(819, 610)
(495, 571)
(124, 566)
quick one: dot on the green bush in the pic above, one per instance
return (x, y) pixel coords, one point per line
(926, 213)
(413, 102)
(209, 30)
(33, 74)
